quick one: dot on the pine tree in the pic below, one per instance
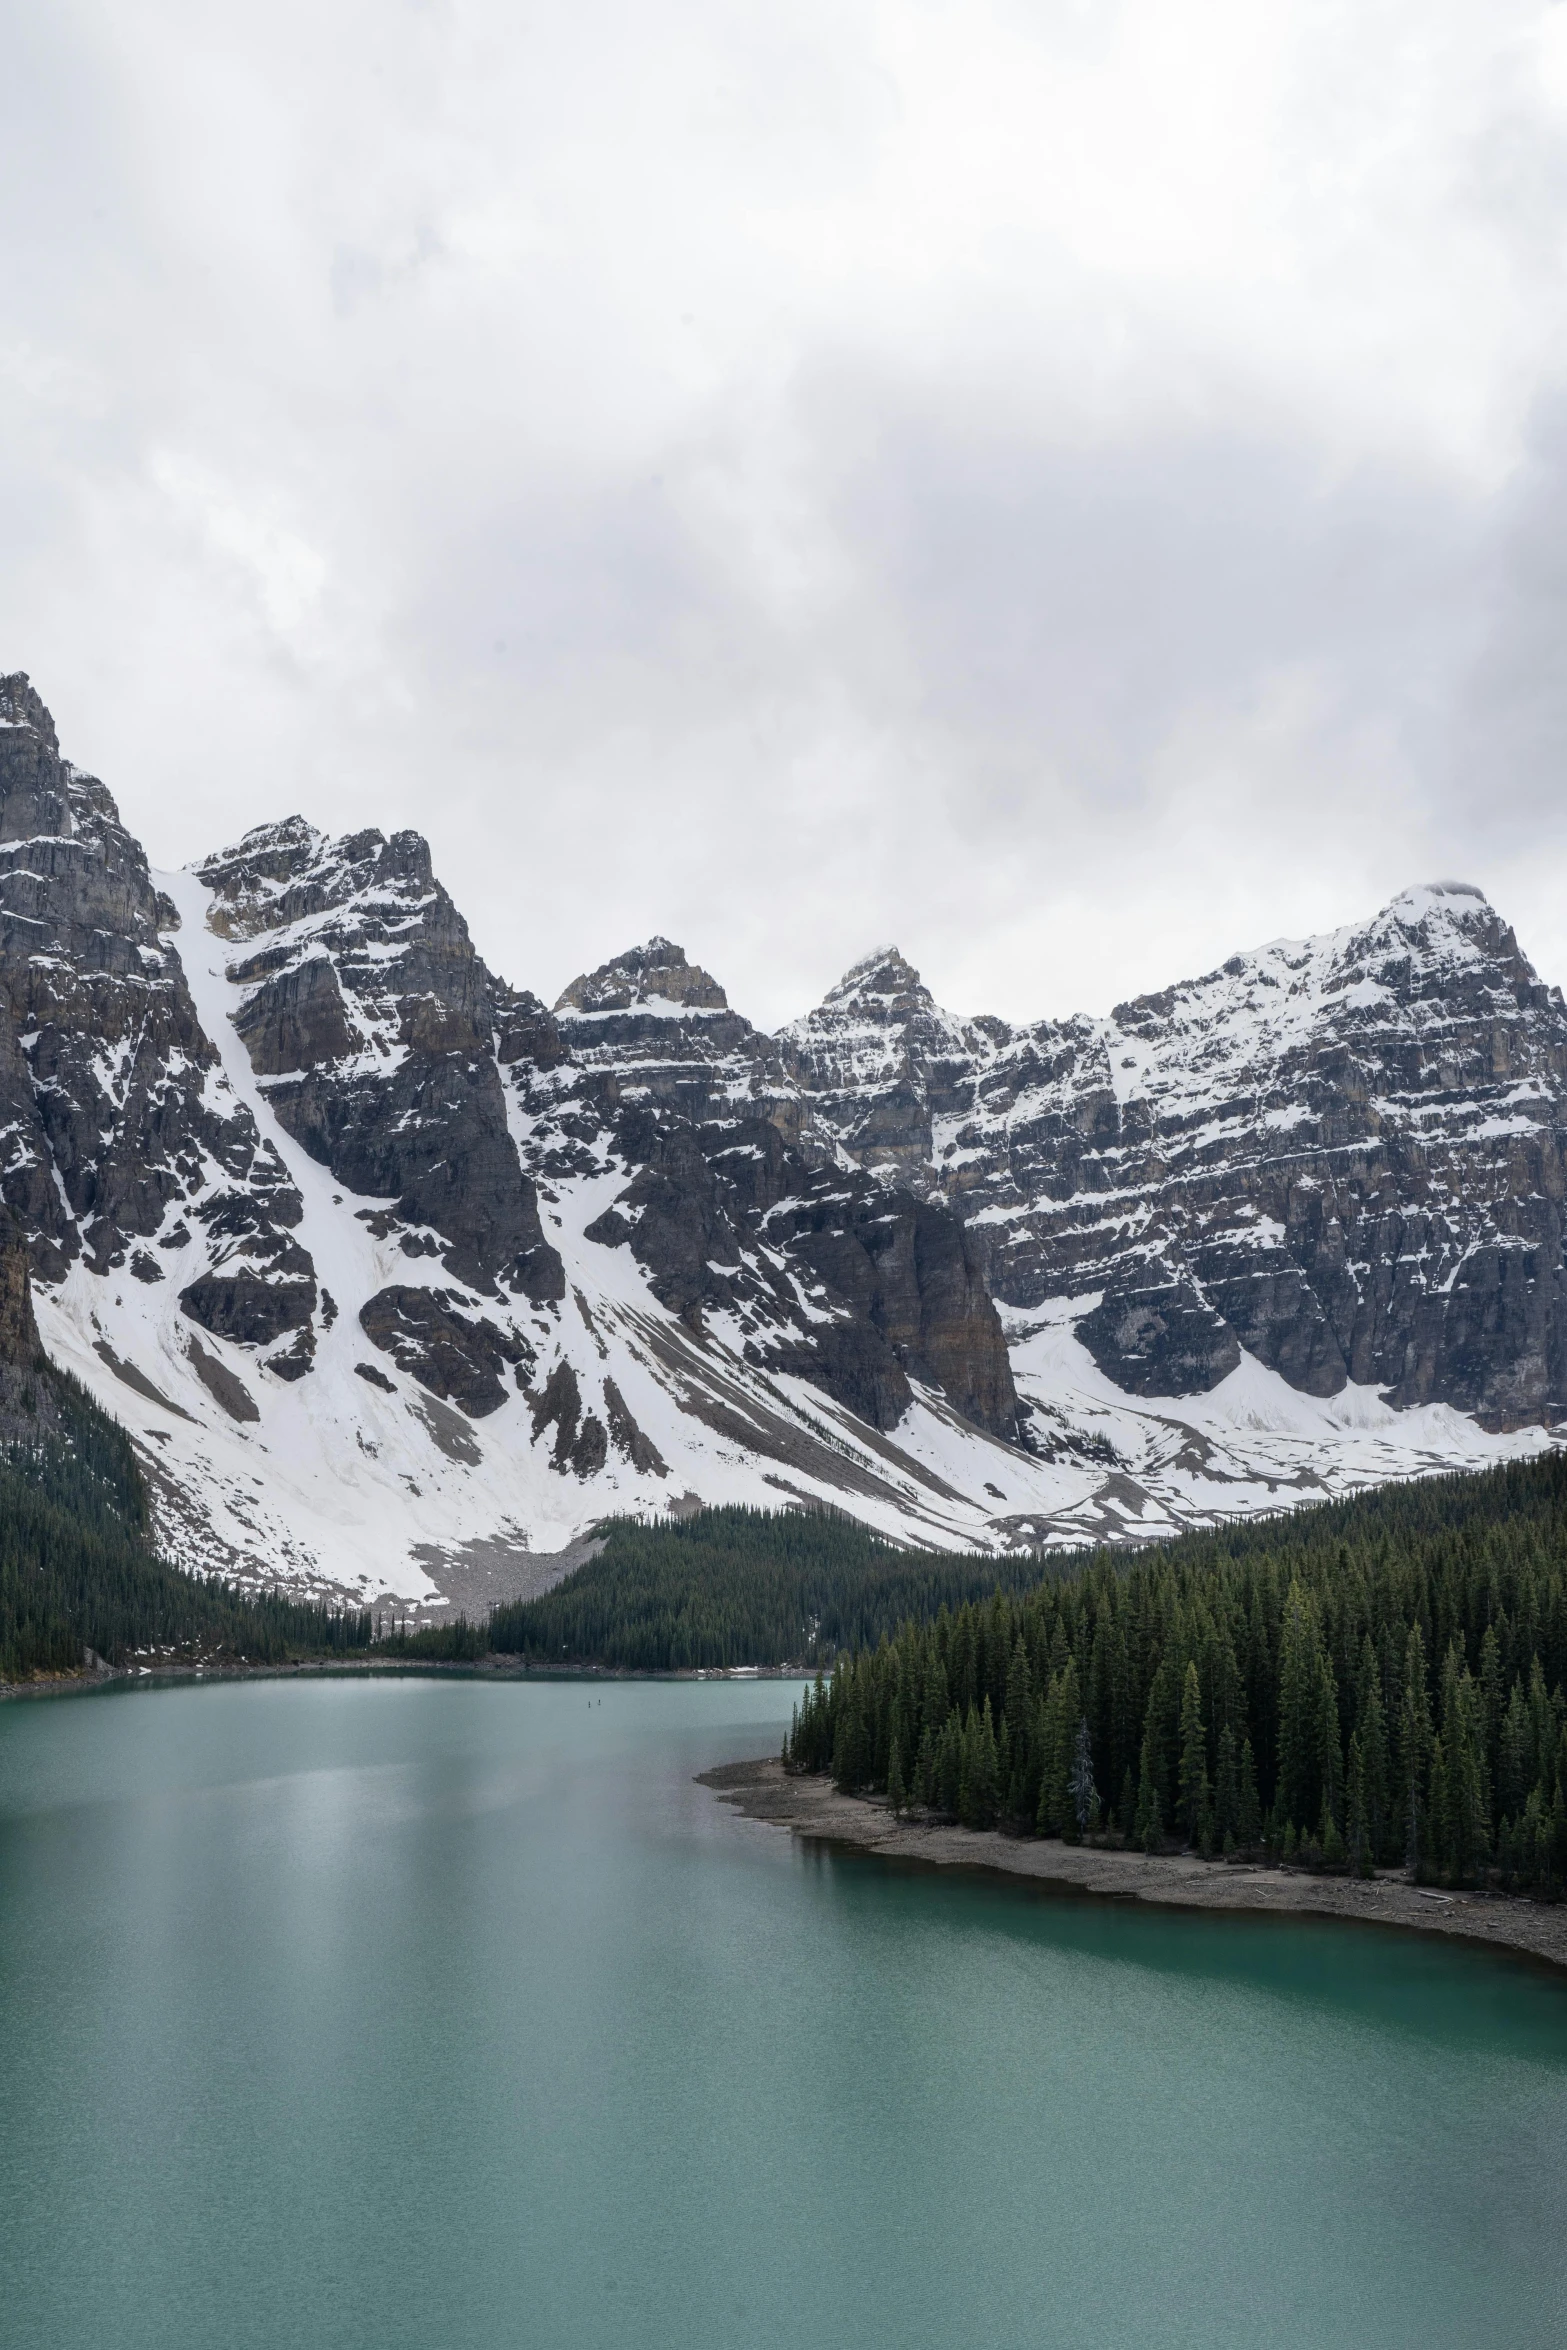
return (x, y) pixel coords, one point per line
(949, 1764)
(1414, 1750)
(1248, 1825)
(1194, 1759)
(979, 1795)
(1300, 1712)
(1432, 1854)
(1360, 1836)
(1150, 1808)
(896, 1793)
(1330, 1753)
(851, 1758)
(1226, 1791)
(1514, 1755)
(1083, 1792)
(925, 1771)
(1371, 1730)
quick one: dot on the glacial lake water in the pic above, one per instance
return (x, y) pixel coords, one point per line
(437, 2013)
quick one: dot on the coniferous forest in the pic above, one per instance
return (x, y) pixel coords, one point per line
(741, 1586)
(1378, 1683)
(77, 1569)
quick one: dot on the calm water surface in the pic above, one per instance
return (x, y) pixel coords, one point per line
(442, 2013)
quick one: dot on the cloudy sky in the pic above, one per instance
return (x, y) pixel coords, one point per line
(1073, 488)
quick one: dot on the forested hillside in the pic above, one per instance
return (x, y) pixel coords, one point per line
(1379, 1682)
(77, 1569)
(742, 1587)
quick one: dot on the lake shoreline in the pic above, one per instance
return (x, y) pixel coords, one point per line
(811, 1806)
(485, 1668)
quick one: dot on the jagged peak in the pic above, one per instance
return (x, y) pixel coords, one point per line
(658, 971)
(1441, 920)
(22, 705)
(287, 837)
(884, 977)
(292, 848)
(1453, 900)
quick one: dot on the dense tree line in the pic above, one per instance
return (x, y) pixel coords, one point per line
(77, 1569)
(741, 1587)
(1378, 1683)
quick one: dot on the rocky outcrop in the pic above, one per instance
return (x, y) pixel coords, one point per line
(1154, 1333)
(809, 1261)
(373, 1026)
(460, 1357)
(119, 1125)
(581, 1445)
(881, 1062)
(20, 1348)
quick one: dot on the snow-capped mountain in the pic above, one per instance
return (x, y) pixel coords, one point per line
(1343, 1155)
(401, 1280)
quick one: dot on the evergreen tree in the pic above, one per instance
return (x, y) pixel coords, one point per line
(897, 1794)
(1194, 1760)
(979, 1795)
(1084, 1796)
(1248, 1826)
(1414, 1751)
(925, 1772)
(1371, 1731)
(1300, 1711)
(1149, 1827)
(1330, 1758)
(949, 1764)
(1360, 1837)
(1226, 1791)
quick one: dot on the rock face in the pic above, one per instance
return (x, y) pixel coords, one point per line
(1344, 1154)
(371, 1023)
(462, 1358)
(818, 1269)
(120, 1126)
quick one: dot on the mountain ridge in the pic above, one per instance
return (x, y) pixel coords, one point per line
(397, 1274)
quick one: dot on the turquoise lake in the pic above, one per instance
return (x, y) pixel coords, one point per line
(439, 2012)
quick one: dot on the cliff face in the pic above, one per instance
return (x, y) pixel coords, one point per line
(823, 1271)
(1343, 1154)
(125, 1146)
(371, 1023)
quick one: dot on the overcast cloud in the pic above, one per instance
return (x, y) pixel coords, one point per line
(1074, 489)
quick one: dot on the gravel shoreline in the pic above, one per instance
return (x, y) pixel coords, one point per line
(812, 1806)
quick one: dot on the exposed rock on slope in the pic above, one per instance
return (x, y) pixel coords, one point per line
(119, 1126)
(371, 1023)
(824, 1272)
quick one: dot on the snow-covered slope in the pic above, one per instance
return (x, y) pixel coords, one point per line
(401, 1280)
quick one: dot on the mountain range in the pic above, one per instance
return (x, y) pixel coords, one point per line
(401, 1280)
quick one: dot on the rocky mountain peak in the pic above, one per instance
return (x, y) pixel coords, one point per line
(879, 1059)
(657, 972)
(881, 985)
(1445, 939)
(20, 705)
(288, 873)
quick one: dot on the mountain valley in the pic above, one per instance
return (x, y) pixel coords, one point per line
(400, 1280)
